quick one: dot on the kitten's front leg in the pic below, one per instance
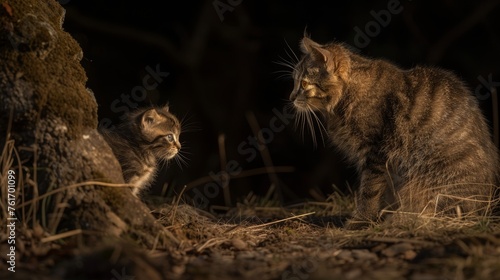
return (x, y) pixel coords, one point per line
(142, 179)
(369, 198)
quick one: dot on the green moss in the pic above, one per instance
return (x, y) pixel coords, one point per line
(50, 63)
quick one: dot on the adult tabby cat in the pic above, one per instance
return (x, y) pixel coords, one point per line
(147, 136)
(417, 137)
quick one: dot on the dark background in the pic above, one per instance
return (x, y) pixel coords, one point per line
(222, 71)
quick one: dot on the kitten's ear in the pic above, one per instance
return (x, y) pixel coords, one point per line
(149, 118)
(308, 46)
(165, 108)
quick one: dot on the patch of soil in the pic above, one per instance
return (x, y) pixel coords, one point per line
(293, 247)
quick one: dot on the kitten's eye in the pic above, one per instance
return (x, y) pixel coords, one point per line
(304, 84)
(170, 137)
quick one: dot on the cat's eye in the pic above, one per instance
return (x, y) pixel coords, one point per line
(304, 84)
(170, 137)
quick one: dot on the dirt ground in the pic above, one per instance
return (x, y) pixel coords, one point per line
(269, 242)
(314, 247)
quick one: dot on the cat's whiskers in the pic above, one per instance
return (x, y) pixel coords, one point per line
(289, 64)
(181, 159)
(284, 74)
(303, 118)
(187, 125)
(321, 127)
(299, 121)
(308, 116)
(310, 123)
(286, 63)
(163, 163)
(295, 58)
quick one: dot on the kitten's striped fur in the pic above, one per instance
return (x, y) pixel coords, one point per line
(147, 136)
(417, 137)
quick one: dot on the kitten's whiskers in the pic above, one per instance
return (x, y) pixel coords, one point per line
(187, 125)
(181, 159)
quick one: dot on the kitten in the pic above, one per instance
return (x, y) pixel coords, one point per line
(147, 136)
(417, 137)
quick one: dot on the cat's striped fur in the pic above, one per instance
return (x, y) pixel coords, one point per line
(147, 137)
(417, 137)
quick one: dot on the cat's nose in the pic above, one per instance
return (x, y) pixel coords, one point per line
(293, 95)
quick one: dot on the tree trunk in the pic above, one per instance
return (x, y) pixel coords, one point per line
(46, 109)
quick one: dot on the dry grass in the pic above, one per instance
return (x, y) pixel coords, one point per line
(261, 238)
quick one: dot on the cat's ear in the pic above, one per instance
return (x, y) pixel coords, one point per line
(308, 46)
(336, 60)
(149, 118)
(165, 107)
(306, 35)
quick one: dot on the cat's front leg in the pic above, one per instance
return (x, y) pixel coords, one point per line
(369, 198)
